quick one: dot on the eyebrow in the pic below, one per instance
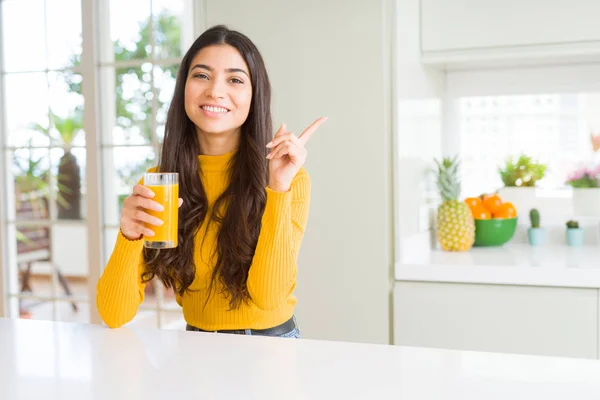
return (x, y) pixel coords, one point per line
(228, 70)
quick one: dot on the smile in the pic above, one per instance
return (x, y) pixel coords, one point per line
(215, 109)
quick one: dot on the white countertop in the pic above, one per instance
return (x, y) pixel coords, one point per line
(512, 264)
(52, 361)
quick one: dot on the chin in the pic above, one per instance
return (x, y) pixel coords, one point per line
(214, 129)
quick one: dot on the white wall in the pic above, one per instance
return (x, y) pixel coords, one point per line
(332, 58)
(420, 94)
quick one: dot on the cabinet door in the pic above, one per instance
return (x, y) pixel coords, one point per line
(498, 318)
(483, 24)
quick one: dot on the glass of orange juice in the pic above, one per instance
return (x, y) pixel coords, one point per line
(165, 186)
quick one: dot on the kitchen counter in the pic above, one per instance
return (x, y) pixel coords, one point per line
(54, 360)
(512, 264)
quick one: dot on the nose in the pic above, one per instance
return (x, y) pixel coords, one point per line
(215, 89)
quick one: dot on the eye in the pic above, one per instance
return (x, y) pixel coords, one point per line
(201, 76)
(236, 81)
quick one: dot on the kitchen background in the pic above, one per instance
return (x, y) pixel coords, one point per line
(84, 90)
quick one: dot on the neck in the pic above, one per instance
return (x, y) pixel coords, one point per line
(216, 144)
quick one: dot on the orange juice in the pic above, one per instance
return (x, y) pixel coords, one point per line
(165, 236)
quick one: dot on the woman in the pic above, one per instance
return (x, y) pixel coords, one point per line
(243, 207)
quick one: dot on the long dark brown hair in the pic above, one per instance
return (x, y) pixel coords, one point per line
(238, 211)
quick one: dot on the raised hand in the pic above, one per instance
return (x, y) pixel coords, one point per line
(288, 154)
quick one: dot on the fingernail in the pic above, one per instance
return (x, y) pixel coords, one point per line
(151, 193)
(159, 207)
(270, 144)
(159, 222)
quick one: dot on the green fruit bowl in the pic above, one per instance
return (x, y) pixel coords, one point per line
(495, 231)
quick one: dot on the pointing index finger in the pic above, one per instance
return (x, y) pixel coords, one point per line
(308, 132)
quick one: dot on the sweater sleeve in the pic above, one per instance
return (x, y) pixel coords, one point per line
(272, 275)
(120, 290)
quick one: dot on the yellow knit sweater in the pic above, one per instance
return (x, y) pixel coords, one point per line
(271, 278)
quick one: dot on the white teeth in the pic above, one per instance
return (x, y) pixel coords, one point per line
(215, 109)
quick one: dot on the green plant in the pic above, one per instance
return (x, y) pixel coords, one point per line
(30, 175)
(572, 224)
(31, 185)
(522, 172)
(134, 104)
(133, 108)
(65, 131)
(31, 179)
(534, 216)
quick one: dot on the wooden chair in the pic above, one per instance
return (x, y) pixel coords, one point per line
(34, 243)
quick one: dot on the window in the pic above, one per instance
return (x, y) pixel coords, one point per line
(140, 44)
(44, 149)
(555, 128)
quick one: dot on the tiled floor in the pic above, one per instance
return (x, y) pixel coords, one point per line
(63, 310)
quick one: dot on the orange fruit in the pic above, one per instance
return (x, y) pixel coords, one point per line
(473, 202)
(492, 203)
(506, 210)
(481, 213)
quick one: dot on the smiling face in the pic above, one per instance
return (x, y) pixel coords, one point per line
(218, 91)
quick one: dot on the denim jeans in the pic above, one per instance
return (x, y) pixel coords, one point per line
(294, 333)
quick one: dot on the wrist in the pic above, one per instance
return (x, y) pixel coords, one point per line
(130, 237)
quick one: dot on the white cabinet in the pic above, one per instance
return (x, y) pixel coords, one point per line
(501, 29)
(499, 318)
(469, 24)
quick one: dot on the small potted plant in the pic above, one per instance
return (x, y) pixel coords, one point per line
(574, 234)
(536, 233)
(525, 171)
(520, 175)
(586, 190)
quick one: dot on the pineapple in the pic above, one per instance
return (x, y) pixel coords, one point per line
(455, 225)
